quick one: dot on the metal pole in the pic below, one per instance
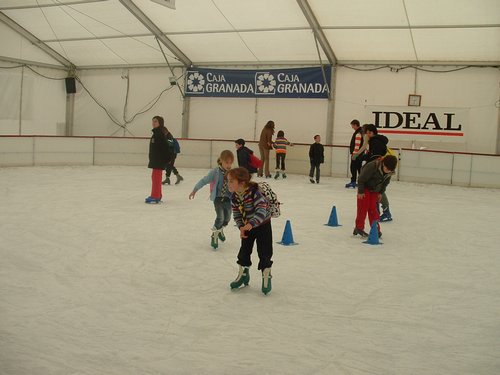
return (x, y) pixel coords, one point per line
(497, 151)
(21, 101)
(70, 112)
(452, 168)
(256, 111)
(185, 116)
(331, 108)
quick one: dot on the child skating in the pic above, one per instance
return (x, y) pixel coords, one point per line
(159, 156)
(372, 183)
(280, 145)
(252, 216)
(316, 158)
(219, 194)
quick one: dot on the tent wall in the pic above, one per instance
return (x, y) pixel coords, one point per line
(475, 90)
(218, 118)
(415, 165)
(31, 103)
(109, 88)
(16, 47)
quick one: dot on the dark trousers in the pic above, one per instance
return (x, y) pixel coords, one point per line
(280, 161)
(222, 211)
(356, 168)
(314, 168)
(264, 236)
(170, 167)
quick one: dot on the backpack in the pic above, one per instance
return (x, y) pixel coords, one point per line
(177, 147)
(271, 198)
(255, 162)
(390, 151)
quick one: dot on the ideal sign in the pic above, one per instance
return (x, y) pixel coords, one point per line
(411, 122)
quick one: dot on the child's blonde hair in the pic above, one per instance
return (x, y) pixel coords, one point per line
(225, 155)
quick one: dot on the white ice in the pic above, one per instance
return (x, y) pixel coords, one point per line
(95, 281)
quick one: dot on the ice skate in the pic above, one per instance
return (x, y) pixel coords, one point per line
(242, 278)
(166, 181)
(386, 216)
(311, 181)
(350, 185)
(283, 174)
(214, 242)
(360, 232)
(222, 237)
(266, 280)
(151, 200)
(179, 179)
(276, 175)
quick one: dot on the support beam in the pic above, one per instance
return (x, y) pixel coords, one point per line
(498, 127)
(406, 63)
(318, 31)
(58, 4)
(32, 63)
(33, 39)
(139, 14)
(330, 116)
(185, 116)
(70, 114)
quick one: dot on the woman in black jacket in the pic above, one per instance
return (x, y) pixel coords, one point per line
(159, 156)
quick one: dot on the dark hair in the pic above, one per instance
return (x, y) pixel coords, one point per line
(281, 133)
(241, 175)
(390, 162)
(161, 121)
(317, 135)
(371, 128)
(240, 141)
(270, 124)
(225, 155)
(355, 122)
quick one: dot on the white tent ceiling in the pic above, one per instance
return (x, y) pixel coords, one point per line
(92, 33)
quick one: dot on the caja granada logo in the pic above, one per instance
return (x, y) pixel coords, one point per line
(196, 82)
(265, 84)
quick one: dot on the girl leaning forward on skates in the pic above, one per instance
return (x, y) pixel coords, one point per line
(219, 194)
(252, 216)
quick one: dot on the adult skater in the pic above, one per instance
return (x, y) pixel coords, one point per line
(265, 145)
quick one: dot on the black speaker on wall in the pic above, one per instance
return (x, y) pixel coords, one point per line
(70, 85)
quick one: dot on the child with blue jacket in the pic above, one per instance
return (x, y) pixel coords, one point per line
(219, 194)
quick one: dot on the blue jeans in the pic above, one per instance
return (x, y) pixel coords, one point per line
(223, 212)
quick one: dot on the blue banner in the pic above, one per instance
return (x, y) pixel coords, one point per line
(264, 83)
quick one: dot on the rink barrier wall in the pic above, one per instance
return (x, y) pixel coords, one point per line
(425, 166)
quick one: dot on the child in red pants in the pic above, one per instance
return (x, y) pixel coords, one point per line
(159, 155)
(372, 182)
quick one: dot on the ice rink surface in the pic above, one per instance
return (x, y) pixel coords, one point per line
(95, 281)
